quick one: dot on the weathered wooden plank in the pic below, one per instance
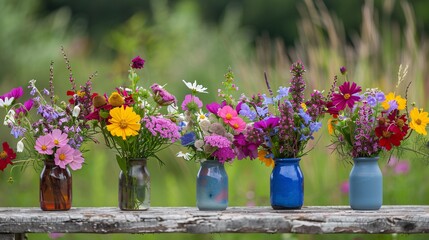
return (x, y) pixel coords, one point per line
(17, 236)
(309, 220)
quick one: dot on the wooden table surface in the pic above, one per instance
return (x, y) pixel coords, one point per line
(308, 220)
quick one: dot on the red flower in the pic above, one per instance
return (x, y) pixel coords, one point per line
(346, 96)
(79, 95)
(332, 109)
(6, 156)
(392, 130)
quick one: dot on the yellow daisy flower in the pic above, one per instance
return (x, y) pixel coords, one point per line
(268, 161)
(419, 120)
(399, 100)
(124, 122)
(116, 99)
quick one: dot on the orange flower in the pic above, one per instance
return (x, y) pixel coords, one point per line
(262, 157)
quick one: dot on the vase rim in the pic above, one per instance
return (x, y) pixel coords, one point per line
(210, 161)
(137, 159)
(366, 158)
(287, 159)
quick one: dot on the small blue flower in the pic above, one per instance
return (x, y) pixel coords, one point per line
(17, 131)
(392, 106)
(372, 101)
(380, 96)
(305, 116)
(188, 139)
(262, 111)
(247, 112)
(267, 100)
(315, 126)
(283, 92)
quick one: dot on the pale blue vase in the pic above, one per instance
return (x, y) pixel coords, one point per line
(366, 184)
(212, 186)
(287, 184)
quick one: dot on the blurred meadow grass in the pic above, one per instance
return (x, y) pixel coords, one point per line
(177, 45)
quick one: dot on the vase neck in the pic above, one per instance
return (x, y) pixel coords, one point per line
(287, 160)
(367, 160)
(211, 162)
(137, 161)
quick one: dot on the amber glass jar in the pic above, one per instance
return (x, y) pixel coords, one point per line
(55, 187)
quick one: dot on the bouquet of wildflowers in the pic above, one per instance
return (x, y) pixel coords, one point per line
(283, 123)
(218, 133)
(364, 124)
(131, 120)
(55, 132)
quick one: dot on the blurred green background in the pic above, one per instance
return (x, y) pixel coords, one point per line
(199, 40)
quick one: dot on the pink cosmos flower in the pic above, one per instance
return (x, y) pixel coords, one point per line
(191, 99)
(45, 144)
(59, 138)
(77, 160)
(227, 113)
(347, 96)
(238, 124)
(64, 156)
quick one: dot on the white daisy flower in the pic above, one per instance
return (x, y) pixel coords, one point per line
(194, 87)
(186, 156)
(201, 116)
(172, 109)
(6, 102)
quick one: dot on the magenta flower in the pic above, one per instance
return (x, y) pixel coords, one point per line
(45, 144)
(77, 161)
(244, 148)
(402, 167)
(347, 96)
(227, 113)
(191, 102)
(15, 93)
(267, 123)
(59, 138)
(137, 62)
(224, 154)
(64, 156)
(28, 105)
(213, 107)
(161, 96)
(238, 124)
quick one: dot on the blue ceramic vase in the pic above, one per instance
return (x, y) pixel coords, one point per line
(366, 184)
(287, 184)
(212, 186)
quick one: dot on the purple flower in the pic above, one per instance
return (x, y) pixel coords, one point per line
(224, 154)
(188, 139)
(245, 148)
(343, 70)
(347, 96)
(28, 105)
(17, 131)
(267, 123)
(402, 167)
(372, 101)
(213, 107)
(46, 92)
(161, 96)
(191, 102)
(380, 96)
(162, 127)
(137, 62)
(217, 141)
(393, 105)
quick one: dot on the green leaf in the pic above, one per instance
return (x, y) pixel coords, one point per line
(122, 163)
(104, 114)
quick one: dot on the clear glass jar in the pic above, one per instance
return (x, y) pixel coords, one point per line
(134, 186)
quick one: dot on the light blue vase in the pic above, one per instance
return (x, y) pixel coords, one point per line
(287, 184)
(212, 186)
(366, 184)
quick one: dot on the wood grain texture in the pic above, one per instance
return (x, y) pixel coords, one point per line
(308, 220)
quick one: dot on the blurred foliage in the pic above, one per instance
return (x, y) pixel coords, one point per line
(178, 45)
